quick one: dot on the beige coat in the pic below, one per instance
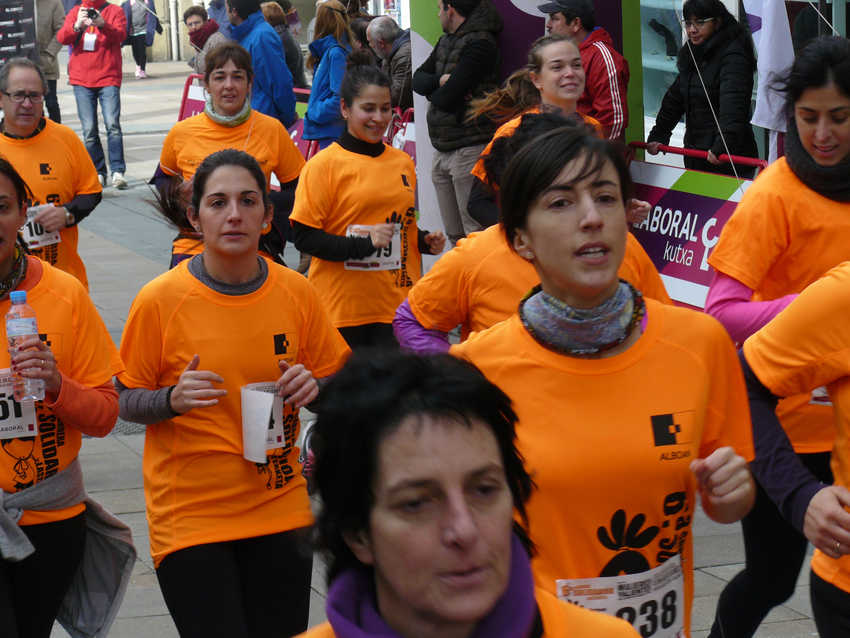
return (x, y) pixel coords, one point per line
(50, 14)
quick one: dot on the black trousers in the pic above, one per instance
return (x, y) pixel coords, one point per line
(369, 335)
(32, 590)
(831, 608)
(247, 588)
(51, 102)
(775, 553)
(139, 45)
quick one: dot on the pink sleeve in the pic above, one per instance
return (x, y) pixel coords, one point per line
(729, 301)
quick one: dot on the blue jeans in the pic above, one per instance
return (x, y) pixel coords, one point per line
(110, 106)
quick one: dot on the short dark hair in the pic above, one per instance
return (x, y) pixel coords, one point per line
(227, 157)
(195, 10)
(218, 56)
(358, 27)
(588, 22)
(821, 61)
(244, 8)
(360, 72)
(366, 402)
(22, 191)
(21, 63)
(463, 7)
(538, 164)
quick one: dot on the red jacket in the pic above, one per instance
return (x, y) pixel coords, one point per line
(607, 79)
(103, 66)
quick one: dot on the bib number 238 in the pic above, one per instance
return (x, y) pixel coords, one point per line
(653, 602)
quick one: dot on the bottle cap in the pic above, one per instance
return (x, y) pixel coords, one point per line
(18, 295)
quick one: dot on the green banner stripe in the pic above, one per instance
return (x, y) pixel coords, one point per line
(706, 184)
(425, 21)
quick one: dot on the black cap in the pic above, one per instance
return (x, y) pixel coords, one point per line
(579, 7)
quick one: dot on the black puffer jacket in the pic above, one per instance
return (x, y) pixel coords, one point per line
(727, 71)
(448, 129)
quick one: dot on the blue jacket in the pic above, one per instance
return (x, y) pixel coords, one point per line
(152, 23)
(272, 92)
(218, 12)
(324, 118)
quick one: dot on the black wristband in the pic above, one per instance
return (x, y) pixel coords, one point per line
(168, 401)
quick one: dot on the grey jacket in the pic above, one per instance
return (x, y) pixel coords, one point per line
(92, 601)
(50, 14)
(200, 62)
(398, 67)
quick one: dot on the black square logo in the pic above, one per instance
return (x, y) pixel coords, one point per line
(281, 344)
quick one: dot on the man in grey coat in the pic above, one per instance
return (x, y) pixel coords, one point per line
(50, 16)
(392, 45)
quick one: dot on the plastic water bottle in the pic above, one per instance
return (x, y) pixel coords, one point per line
(21, 325)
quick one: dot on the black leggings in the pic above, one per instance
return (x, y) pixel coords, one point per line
(775, 552)
(244, 588)
(369, 335)
(139, 45)
(831, 608)
(32, 589)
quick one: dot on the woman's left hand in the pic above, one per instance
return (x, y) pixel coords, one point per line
(713, 158)
(36, 361)
(725, 485)
(296, 385)
(437, 241)
(638, 210)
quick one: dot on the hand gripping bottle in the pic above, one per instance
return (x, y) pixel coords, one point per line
(20, 326)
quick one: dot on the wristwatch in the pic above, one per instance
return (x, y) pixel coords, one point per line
(69, 219)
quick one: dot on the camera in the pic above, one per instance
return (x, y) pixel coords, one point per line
(92, 14)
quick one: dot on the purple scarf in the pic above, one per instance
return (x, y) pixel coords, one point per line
(353, 611)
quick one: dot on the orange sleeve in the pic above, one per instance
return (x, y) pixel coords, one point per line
(168, 156)
(323, 351)
(755, 237)
(86, 179)
(806, 345)
(439, 300)
(313, 194)
(637, 268)
(141, 343)
(290, 161)
(92, 411)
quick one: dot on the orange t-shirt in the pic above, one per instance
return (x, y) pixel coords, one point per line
(807, 346)
(56, 166)
(480, 282)
(70, 325)
(597, 436)
(190, 141)
(198, 487)
(339, 188)
(508, 129)
(782, 237)
(559, 620)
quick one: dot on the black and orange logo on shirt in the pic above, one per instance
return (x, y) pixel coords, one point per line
(673, 429)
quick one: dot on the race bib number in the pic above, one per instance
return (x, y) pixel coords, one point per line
(387, 258)
(17, 420)
(34, 234)
(820, 397)
(653, 601)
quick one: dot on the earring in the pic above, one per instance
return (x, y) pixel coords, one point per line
(198, 227)
(529, 255)
(265, 225)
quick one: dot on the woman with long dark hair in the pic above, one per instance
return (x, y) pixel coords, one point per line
(715, 80)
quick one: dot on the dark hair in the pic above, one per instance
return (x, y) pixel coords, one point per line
(537, 164)
(530, 126)
(244, 8)
(588, 22)
(195, 10)
(173, 208)
(218, 56)
(518, 93)
(22, 191)
(821, 61)
(366, 402)
(21, 63)
(463, 7)
(359, 26)
(729, 28)
(360, 72)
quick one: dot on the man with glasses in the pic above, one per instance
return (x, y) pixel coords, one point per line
(96, 29)
(605, 70)
(54, 164)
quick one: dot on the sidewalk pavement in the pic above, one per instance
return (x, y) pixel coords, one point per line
(124, 244)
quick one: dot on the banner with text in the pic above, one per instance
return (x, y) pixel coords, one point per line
(688, 210)
(17, 30)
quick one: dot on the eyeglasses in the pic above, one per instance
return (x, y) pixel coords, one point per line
(19, 96)
(699, 24)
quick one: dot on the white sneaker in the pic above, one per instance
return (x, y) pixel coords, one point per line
(118, 181)
(102, 179)
(138, 68)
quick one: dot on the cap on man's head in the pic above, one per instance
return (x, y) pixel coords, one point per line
(579, 7)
